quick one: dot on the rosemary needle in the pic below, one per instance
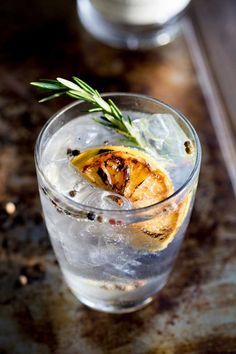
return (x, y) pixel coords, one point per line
(111, 116)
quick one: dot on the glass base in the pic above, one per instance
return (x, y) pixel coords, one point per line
(125, 36)
(116, 308)
(98, 298)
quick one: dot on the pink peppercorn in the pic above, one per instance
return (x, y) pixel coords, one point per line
(112, 221)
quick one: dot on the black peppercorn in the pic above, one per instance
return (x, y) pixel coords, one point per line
(91, 216)
(188, 147)
(75, 152)
(72, 193)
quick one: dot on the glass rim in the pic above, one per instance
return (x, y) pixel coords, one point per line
(79, 206)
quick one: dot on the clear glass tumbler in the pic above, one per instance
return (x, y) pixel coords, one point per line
(117, 260)
(132, 24)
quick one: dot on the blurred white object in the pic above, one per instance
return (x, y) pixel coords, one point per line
(132, 24)
(140, 12)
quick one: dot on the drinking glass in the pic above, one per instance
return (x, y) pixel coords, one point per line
(132, 24)
(107, 260)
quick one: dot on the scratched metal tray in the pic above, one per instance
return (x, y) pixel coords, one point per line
(196, 311)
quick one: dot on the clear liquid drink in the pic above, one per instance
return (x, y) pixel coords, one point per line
(115, 257)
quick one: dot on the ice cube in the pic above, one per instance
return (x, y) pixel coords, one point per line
(88, 134)
(62, 175)
(51, 172)
(161, 133)
(90, 195)
(164, 138)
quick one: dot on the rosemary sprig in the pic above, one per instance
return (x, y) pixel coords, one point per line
(111, 116)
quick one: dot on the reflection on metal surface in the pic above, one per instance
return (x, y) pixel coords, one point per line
(215, 105)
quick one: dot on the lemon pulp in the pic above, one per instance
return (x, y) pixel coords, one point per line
(136, 176)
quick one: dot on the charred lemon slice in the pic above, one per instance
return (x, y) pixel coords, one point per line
(156, 234)
(136, 176)
(128, 172)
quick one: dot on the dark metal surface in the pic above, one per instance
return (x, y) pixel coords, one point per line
(214, 54)
(196, 311)
(216, 22)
